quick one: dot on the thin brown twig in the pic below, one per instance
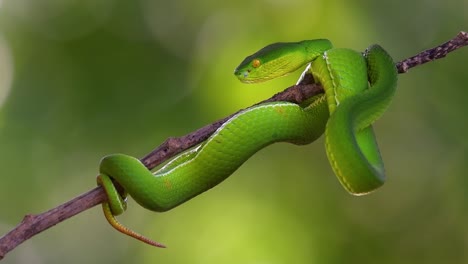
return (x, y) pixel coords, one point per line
(34, 224)
(438, 52)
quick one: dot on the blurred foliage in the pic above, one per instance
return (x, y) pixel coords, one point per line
(81, 79)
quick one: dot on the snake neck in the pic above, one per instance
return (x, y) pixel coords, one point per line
(342, 73)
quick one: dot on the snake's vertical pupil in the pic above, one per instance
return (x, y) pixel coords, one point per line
(256, 63)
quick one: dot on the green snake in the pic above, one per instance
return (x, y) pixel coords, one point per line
(358, 89)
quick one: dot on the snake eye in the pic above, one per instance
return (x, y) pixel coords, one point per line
(256, 63)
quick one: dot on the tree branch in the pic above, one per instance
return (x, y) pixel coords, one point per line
(34, 224)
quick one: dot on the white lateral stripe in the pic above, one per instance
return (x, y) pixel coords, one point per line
(325, 57)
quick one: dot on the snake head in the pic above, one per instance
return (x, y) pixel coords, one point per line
(279, 59)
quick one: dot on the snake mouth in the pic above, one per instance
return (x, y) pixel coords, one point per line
(243, 76)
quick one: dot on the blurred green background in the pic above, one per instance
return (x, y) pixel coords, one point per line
(80, 79)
